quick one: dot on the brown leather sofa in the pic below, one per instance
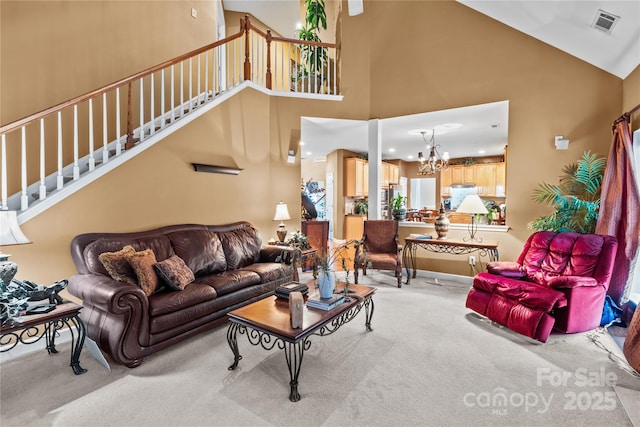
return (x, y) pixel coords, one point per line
(231, 269)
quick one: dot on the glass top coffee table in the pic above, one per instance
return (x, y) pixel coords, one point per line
(267, 323)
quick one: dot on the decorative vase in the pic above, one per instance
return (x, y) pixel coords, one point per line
(442, 223)
(326, 283)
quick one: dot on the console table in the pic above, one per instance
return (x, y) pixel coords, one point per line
(29, 329)
(447, 246)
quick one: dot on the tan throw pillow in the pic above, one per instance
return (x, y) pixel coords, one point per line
(117, 265)
(175, 273)
(142, 263)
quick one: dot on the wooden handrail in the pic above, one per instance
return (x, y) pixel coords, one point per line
(36, 116)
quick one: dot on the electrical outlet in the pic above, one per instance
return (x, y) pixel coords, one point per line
(194, 12)
(472, 260)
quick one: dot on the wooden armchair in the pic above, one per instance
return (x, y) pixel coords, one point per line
(379, 249)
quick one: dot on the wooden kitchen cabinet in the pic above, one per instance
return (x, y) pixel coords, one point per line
(385, 169)
(457, 174)
(470, 174)
(354, 227)
(486, 179)
(501, 179)
(394, 174)
(356, 177)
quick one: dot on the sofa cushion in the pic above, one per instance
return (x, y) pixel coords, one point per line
(160, 245)
(229, 281)
(116, 264)
(201, 250)
(241, 247)
(532, 295)
(269, 271)
(169, 302)
(174, 272)
(142, 263)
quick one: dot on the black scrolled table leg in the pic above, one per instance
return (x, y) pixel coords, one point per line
(294, 353)
(368, 313)
(50, 336)
(76, 347)
(406, 255)
(232, 339)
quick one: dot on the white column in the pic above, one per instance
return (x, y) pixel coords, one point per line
(375, 158)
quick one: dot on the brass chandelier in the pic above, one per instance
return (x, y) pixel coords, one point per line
(435, 162)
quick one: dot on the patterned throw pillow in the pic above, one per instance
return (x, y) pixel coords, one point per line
(174, 272)
(142, 263)
(117, 265)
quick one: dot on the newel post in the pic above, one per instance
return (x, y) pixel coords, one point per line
(268, 76)
(247, 61)
(130, 141)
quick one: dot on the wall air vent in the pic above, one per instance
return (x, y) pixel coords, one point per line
(605, 21)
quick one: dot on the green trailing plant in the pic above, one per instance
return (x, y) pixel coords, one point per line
(576, 199)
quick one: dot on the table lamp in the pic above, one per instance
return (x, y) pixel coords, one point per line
(472, 204)
(282, 214)
(10, 234)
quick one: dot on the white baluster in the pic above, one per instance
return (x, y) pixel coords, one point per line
(92, 160)
(105, 136)
(172, 104)
(43, 187)
(335, 72)
(141, 132)
(283, 79)
(152, 107)
(198, 85)
(181, 89)
(234, 63)
(76, 167)
(24, 199)
(4, 173)
(60, 177)
(190, 84)
(162, 121)
(206, 77)
(118, 138)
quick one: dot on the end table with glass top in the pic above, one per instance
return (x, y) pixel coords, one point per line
(29, 329)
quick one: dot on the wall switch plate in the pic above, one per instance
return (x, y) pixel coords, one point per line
(194, 12)
(472, 260)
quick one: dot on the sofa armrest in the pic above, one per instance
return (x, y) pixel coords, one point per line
(116, 315)
(506, 269)
(284, 254)
(571, 282)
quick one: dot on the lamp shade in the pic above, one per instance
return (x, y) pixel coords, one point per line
(472, 204)
(10, 233)
(282, 213)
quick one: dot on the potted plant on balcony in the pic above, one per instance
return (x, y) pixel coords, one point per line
(398, 207)
(313, 57)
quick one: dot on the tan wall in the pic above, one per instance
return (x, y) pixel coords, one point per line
(460, 58)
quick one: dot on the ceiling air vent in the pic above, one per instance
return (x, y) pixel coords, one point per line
(605, 21)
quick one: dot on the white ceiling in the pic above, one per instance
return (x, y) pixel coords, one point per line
(564, 24)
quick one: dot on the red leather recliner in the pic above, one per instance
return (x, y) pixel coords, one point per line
(559, 281)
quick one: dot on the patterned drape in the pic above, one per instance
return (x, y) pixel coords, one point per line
(620, 207)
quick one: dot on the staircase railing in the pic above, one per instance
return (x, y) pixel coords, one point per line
(60, 144)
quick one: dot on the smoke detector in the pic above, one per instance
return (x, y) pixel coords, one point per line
(605, 21)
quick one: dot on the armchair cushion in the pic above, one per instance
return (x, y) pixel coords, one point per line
(506, 269)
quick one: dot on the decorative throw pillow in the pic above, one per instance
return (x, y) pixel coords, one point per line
(117, 265)
(142, 263)
(174, 272)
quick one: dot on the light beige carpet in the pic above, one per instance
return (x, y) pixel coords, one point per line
(429, 361)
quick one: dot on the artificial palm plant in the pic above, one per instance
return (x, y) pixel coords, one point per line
(576, 199)
(313, 57)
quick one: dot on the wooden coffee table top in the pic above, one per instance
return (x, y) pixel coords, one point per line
(272, 315)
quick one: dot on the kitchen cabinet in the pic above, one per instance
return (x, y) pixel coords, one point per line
(384, 169)
(356, 177)
(501, 179)
(394, 174)
(486, 179)
(470, 174)
(354, 227)
(457, 174)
